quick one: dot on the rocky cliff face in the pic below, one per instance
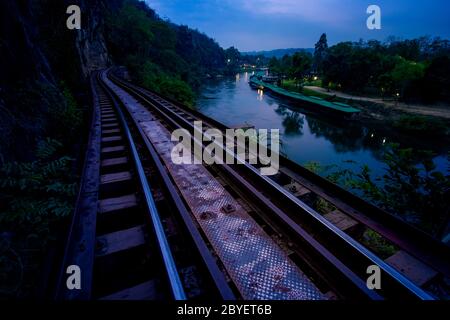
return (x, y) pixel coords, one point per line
(24, 24)
(21, 55)
(90, 42)
(37, 54)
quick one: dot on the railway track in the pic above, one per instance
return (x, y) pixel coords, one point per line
(125, 239)
(411, 242)
(343, 208)
(248, 236)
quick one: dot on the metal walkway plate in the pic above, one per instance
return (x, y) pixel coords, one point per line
(258, 266)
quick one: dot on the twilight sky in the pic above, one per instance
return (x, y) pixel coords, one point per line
(272, 24)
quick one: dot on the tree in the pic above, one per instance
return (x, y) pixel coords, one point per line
(419, 193)
(233, 59)
(436, 82)
(405, 73)
(411, 187)
(408, 49)
(320, 51)
(301, 64)
(171, 55)
(233, 55)
(274, 66)
(129, 31)
(286, 65)
(337, 65)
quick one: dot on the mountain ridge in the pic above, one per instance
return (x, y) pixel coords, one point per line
(278, 53)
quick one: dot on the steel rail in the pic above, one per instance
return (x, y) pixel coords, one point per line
(327, 257)
(408, 237)
(372, 258)
(169, 262)
(210, 262)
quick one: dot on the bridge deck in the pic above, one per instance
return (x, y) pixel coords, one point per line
(258, 266)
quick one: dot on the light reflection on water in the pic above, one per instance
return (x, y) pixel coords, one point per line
(305, 137)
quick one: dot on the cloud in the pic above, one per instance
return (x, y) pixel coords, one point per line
(325, 11)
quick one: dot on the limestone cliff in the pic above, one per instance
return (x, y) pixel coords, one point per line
(90, 42)
(37, 55)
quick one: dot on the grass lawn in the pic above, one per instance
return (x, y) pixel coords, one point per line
(291, 85)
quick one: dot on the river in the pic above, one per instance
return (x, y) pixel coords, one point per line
(305, 137)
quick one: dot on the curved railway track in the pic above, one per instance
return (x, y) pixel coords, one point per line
(125, 238)
(248, 236)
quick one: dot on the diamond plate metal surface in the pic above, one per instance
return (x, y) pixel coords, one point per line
(258, 266)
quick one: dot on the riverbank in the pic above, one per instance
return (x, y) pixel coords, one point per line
(403, 121)
(316, 104)
(351, 152)
(387, 107)
(311, 137)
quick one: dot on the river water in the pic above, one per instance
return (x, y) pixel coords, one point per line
(305, 137)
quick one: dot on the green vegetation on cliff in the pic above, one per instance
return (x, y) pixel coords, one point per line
(42, 89)
(167, 58)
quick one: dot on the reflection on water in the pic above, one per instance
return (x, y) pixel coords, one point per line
(292, 121)
(260, 96)
(305, 137)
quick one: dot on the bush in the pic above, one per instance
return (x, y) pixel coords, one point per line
(151, 76)
(378, 244)
(421, 125)
(411, 187)
(32, 191)
(34, 197)
(177, 90)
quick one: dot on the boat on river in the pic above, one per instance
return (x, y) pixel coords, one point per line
(312, 103)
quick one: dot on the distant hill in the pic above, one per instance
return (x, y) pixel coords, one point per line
(278, 53)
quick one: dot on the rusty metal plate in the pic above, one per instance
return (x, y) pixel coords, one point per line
(258, 266)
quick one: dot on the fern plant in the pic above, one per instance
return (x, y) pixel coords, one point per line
(37, 192)
(33, 196)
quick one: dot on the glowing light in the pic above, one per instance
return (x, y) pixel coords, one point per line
(315, 78)
(260, 95)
